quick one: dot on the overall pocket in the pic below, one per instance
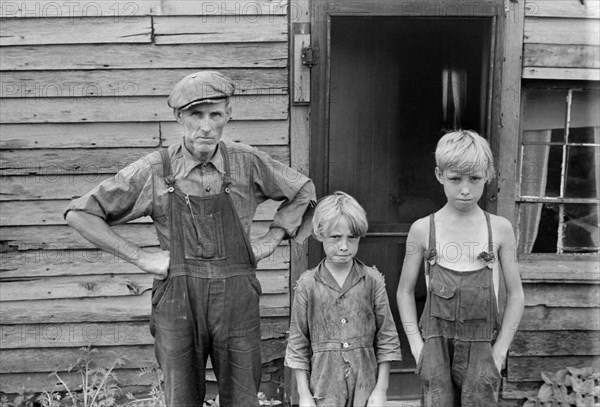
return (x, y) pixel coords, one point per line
(443, 300)
(159, 289)
(475, 302)
(204, 237)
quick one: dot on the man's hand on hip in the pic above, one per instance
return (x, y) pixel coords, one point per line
(156, 263)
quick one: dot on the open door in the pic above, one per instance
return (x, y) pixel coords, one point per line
(389, 82)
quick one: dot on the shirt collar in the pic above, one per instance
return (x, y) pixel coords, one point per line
(190, 162)
(356, 273)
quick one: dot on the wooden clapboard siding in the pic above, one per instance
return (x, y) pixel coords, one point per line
(89, 9)
(144, 56)
(561, 40)
(142, 82)
(217, 29)
(84, 88)
(101, 30)
(127, 108)
(87, 161)
(560, 325)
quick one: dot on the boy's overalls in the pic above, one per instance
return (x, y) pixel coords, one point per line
(459, 324)
(209, 304)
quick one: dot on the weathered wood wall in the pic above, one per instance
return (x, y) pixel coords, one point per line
(562, 40)
(561, 323)
(84, 87)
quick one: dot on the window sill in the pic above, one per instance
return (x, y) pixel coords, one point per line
(553, 268)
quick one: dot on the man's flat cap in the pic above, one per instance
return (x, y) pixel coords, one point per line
(200, 87)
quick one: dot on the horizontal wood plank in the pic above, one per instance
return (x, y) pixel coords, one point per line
(128, 82)
(568, 74)
(124, 56)
(219, 29)
(132, 356)
(566, 295)
(96, 161)
(555, 271)
(124, 109)
(519, 390)
(75, 335)
(18, 266)
(542, 318)
(555, 343)
(88, 9)
(98, 135)
(528, 369)
(103, 30)
(31, 213)
(66, 238)
(567, 31)
(273, 282)
(561, 56)
(123, 309)
(562, 9)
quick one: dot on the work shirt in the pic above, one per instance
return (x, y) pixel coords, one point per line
(139, 189)
(340, 334)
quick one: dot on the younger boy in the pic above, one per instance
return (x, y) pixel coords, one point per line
(461, 344)
(342, 333)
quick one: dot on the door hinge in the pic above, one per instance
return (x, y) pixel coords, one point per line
(310, 56)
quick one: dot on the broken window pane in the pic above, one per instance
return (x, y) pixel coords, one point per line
(581, 228)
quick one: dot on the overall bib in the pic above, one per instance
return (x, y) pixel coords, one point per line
(459, 324)
(209, 304)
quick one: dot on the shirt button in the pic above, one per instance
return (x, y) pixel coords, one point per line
(345, 345)
(208, 189)
(344, 320)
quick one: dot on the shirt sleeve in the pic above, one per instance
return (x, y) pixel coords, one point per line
(282, 183)
(387, 343)
(125, 197)
(298, 352)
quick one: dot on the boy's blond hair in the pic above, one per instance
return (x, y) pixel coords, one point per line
(464, 150)
(332, 208)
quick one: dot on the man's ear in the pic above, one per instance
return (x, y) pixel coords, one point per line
(177, 114)
(228, 113)
(438, 175)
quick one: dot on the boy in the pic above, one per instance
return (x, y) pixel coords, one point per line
(342, 333)
(461, 347)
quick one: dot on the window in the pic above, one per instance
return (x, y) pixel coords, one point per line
(559, 182)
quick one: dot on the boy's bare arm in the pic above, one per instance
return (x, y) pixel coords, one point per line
(378, 396)
(306, 397)
(405, 295)
(507, 253)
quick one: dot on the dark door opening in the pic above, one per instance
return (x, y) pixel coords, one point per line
(396, 85)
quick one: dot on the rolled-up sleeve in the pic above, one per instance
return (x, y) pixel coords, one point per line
(298, 351)
(282, 183)
(387, 343)
(124, 197)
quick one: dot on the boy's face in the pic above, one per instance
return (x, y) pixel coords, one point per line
(340, 245)
(462, 188)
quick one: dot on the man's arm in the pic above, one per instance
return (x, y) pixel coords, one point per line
(515, 300)
(100, 234)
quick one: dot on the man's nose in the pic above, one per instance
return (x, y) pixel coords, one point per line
(204, 125)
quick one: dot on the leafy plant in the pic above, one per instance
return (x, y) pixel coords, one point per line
(23, 399)
(98, 387)
(156, 395)
(568, 387)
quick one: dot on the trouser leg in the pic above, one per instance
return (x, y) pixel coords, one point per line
(437, 388)
(174, 329)
(481, 382)
(234, 321)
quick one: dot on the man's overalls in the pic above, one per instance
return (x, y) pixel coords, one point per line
(209, 304)
(459, 324)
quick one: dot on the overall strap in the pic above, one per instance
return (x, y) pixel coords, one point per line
(431, 232)
(431, 247)
(166, 162)
(227, 177)
(489, 228)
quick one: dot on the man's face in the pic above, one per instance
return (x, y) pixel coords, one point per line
(203, 127)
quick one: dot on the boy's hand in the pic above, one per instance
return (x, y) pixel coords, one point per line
(307, 401)
(499, 358)
(156, 263)
(417, 351)
(377, 398)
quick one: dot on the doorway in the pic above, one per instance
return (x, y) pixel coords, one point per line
(394, 86)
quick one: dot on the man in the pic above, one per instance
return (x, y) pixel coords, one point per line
(202, 195)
